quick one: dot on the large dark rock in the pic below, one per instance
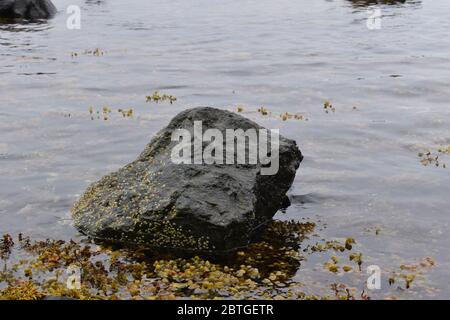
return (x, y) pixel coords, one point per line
(27, 9)
(157, 203)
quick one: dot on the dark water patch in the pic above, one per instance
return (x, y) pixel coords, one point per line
(397, 3)
(36, 73)
(308, 198)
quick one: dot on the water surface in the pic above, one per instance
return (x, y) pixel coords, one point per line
(361, 171)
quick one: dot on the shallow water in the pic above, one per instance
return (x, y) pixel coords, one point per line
(361, 170)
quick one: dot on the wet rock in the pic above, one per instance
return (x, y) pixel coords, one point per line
(27, 9)
(202, 207)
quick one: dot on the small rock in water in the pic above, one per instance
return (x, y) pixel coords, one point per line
(27, 9)
(156, 202)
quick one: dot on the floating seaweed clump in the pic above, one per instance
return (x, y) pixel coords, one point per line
(408, 273)
(263, 111)
(327, 106)
(97, 52)
(106, 111)
(297, 116)
(430, 158)
(335, 246)
(157, 97)
(126, 113)
(283, 116)
(343, 292)
(444, 150)
(6, 245)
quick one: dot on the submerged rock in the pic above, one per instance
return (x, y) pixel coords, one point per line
(27, 9)
(158, 203)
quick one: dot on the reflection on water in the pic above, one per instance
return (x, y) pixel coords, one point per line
(10, 26)
(365, 3)
(361, 171)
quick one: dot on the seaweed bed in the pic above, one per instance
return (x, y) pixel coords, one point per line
(266, 269)
(35, 270)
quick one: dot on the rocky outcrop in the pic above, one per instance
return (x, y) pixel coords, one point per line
(27, 9)
(156, 202)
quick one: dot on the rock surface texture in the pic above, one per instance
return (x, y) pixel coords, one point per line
(27, 9)
(202, 207)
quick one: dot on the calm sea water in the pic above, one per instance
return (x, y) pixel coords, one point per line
(361, 171)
